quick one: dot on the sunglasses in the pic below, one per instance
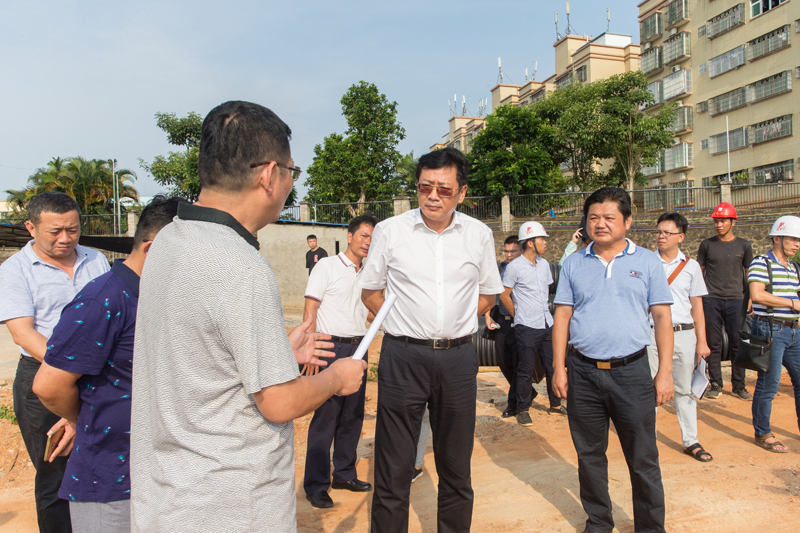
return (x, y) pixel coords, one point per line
(442, 192)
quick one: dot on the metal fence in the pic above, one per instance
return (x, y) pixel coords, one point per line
(554, 205)
(344, 213)
(766, 195)
(659, 199)
(290, 213)
(481, 207)
(90, 224)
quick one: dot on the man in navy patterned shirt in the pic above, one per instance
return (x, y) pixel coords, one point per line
(86, 379)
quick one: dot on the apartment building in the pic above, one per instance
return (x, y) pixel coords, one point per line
(718, 60)
(577, 58)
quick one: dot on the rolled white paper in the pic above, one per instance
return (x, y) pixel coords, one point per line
(361, 351)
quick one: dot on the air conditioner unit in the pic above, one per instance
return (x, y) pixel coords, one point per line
(679, 103)
(676, 68)
(797, 72)
(681, 176)
(647, 46)
(673, 31)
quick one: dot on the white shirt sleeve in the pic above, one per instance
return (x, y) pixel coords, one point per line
(319, 279)
(488, 276)
(698, 286)
(373, 275)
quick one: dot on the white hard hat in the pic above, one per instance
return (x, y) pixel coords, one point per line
(786, 226)
(531, 229)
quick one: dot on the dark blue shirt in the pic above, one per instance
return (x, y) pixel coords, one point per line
(94, 337)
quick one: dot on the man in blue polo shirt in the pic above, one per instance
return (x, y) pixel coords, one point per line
(86, 379)
(602, 305)
(37, 282)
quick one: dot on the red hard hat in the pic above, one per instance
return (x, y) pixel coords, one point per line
(724, 210)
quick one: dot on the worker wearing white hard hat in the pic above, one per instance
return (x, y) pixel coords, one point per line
(774, 285)
(526, 282)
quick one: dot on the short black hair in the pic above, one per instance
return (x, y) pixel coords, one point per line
(609, 194)
(158, 213)
(511, 239)
(356, 223)
(236, 135)
(312, 236)
(679, 220)
(51, 202)
(444, 158)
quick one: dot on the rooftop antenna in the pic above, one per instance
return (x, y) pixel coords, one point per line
(526, 74)
(608, 18)
(569, 28)
(449, 107)
(463, 105)
(558, 35)
(535, 66)
(455, 104)
(499, 70)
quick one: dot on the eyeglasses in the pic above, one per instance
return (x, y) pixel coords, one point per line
(443, 192)
(296, 171)
(666, 234)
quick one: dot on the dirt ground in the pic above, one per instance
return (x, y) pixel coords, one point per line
(525, 478)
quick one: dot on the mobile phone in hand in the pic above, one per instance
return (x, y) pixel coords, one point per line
(52, 442)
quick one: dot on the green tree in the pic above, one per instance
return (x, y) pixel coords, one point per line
(632, 138)
(178, 170)
(406, 175)
(510, 155)
(360, 165)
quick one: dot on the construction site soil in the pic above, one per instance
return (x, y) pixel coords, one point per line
(526, 478)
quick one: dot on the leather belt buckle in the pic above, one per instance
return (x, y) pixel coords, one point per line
(441, 344)
(604, 365)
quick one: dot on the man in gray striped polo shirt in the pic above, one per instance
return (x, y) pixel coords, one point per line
(776, 307)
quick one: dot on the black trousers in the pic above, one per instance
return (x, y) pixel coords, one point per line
(723, 314)
(533, 343)
(504, 347)
(34, 422)
(625, 395)
(336, 421)
(409, 376)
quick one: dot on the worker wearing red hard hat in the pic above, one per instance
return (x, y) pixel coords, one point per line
(722, 259)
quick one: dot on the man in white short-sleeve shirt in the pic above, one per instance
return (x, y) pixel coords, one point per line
(688, 322)
(215, 383)
(441, 265)
(333, 300)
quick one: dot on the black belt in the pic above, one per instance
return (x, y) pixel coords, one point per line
(346, 340)
(436, 344)
(782, 322)
(680, 327)
(612, 363)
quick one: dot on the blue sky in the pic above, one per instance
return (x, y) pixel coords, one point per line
(86, 77)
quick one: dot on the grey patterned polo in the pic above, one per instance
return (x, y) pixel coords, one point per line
(209, 334)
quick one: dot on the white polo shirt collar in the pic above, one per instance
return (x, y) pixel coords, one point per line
(34, 258)
(629, 250)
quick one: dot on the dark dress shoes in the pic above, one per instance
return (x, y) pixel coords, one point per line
(320, 500)
(353, 485)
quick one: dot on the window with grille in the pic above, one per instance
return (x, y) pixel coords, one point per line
(725, 21)
(538, 95)
(704, 144)
(681, 192)
(701, 107)
(683, 119)
(565, 80)
(728, 61)
(768, 43)
(678, 156)
(650, 28)
(677, 47)
(678, 83)
(783, 171)
(701, 30)
(769, 87)
(772, 129)
(703, 68)
(725, 102)
(718, 144)
(650, 61)
(580, 73)
(677, 11)
(656, 88)
(657, 168)
(758, 7)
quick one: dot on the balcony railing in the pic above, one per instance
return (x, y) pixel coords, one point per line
(725, 21)
(770, 130)
(725, 102)
(538, 95)
(651, 61)
(656, 88)
(651, 28)
(718, 144)
(677, 12)
(677, 48)
(658, 168)
(769, 87)
(783, 171)
(677, 84)
(564, 81)
(678, 156)
(770, 42)
(728, 61)
(683, 119)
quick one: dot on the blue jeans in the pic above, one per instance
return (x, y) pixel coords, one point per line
(785, 351)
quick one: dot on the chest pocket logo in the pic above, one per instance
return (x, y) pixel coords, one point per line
(635, 274)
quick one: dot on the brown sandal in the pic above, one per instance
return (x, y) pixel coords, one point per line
(770, 446)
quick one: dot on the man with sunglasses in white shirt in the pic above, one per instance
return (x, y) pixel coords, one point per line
(441, 265)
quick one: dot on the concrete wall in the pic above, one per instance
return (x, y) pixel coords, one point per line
(285, 247)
